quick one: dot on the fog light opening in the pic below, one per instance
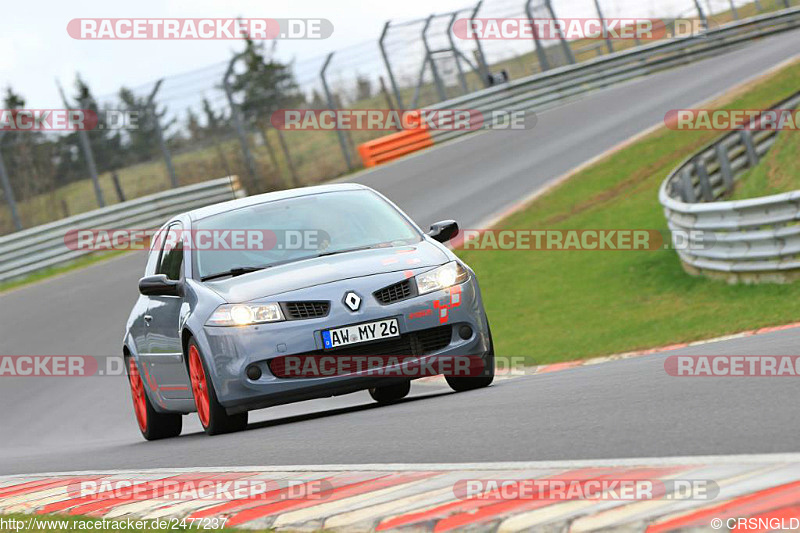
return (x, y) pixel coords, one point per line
(465, 332)
(254, 372)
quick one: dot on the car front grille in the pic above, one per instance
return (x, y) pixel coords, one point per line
(416, 343)
(395, 293)
(305, 310)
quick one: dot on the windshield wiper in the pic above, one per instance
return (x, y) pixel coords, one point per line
(236, 271)
(348, 250)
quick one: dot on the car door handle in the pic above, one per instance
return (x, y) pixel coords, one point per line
(147, 319)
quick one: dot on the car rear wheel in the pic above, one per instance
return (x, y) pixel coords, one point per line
(390, 393)
(213, 417)
(152, 424)
(459, 384)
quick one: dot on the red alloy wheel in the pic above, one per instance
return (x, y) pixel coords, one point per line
(199, 386)
(138, 394)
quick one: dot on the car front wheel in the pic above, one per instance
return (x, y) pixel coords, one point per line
(461, 384)
(213, 417)
(390, 393)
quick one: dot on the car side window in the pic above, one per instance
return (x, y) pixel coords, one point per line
(172, 253)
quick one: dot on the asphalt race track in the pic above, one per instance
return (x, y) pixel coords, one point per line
(627, 408)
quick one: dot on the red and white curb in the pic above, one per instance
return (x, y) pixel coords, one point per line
(422, 497)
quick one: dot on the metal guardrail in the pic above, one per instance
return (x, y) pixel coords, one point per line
(546, 89)
(30, 250)
(750, 240)
(543, 90)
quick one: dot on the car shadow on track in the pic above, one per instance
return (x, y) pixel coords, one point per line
(304, 417)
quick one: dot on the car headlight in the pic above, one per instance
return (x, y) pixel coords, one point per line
(245, 314)
(442, 277)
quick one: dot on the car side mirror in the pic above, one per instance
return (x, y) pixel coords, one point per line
(160, 285)
(443, 231)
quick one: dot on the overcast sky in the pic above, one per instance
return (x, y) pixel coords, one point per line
(35, 48)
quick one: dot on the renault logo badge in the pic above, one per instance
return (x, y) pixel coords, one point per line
(352, 301)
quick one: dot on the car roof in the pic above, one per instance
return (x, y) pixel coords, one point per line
(223, 207)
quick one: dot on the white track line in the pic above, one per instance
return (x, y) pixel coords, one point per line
(406, 467)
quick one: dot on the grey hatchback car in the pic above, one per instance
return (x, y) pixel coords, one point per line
(296, 295)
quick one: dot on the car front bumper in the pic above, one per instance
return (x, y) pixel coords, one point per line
(230, 351)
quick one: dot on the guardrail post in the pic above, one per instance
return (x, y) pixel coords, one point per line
(237, 120)
(687, 191)
(483, 68)
(700, 13)
(609, 44)
(747, 139)
(329, 98)
(564, 44)
(87, 153)
(86, 147)
(702, 177)
(151, 108)
(117, 186)
(733, 10)
(388, 64)
(461, 77)
(272, 158)
(420, 82)
(437, 80)
(8, 192)
(541, 53)
(288, 157)
(725, 167)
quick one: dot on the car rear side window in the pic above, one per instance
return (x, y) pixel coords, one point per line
(172, 253)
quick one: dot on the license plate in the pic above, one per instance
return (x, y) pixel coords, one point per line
(369, 331)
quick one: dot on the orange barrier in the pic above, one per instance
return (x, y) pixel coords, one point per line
(384, 149)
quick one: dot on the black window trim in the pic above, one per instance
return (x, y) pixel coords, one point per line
(164, 244)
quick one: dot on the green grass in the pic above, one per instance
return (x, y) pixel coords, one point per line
(68, 524)
(562, 305)
(778, 172)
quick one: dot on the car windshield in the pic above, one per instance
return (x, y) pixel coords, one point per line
(284, 231)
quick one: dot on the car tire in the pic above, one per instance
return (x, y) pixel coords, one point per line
(465, 384)
(152, 424)
(390, 393)
(213, 417)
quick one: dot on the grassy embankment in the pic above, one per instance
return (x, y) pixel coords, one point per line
(562, 305)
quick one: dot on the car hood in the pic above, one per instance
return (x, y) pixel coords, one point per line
(321, 270)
